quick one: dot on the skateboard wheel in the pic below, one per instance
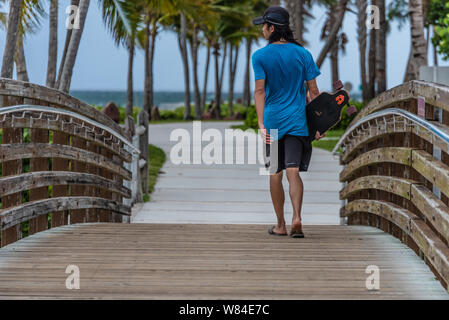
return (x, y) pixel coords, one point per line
(338, 85)
(351, 110)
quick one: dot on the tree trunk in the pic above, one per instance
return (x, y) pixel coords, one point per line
(334, 64)
(381, 50)
(130, 89)
(217, 74)
(19, 57)
(333, 33)
(182, 40)
(206, 77)
(52, 45)
(435, 53)
(372, 64)
(72, 51)
(247, 84)
(361, 37)
(418, 49)
(11, 38)
(223, 61)
(66, 48)
(233, 59)
(194, 44)
(151, 67)
(147, 81)
(296, 10)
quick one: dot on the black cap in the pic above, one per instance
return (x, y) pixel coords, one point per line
(274, 15)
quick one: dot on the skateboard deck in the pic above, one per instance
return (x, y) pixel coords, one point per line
(325, 111)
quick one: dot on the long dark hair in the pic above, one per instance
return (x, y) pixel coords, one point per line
(282, 32)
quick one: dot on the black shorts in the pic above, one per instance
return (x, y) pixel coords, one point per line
(293, 152)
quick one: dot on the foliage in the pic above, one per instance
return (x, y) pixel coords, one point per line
(438, 16)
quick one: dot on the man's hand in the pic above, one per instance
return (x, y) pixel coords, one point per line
(265, 135)
(318, 136)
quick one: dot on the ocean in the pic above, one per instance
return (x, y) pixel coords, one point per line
(165, 100)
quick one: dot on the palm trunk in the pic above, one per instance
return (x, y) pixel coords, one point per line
(146, 95)
(130, 89)
(11, 38)
(72, 51)
(418, 49)
(372, 64)
(233, 60)
(223, 61)
(296, 10)
(217, 74)
(206, 77)
(196, 88)
(247, 84)
(381, 50)
(362, 35)
(52, 45)
(66, 48)
(151, 67)
(182, 40)
(341, 9)
(435, 53)
(19, 57)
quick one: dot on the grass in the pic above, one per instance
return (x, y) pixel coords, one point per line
(156, 159)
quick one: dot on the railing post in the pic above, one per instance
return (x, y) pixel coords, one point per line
(143, 120)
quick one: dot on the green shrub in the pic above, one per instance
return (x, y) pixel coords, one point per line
(251, 118)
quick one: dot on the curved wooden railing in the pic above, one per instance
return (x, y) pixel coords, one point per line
(62, 161)
(396, 169)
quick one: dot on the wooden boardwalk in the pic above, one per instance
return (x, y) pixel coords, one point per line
(168, 261)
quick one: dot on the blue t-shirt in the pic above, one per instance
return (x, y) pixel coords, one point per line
(285, 68)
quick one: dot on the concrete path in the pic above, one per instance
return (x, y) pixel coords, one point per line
(234, 194)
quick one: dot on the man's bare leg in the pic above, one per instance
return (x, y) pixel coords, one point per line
(278, 198)
(296, 196)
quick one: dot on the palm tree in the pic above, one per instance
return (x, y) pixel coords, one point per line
(72, 50)
(381, 49)
(362, 37)
(53, 44)
(11, 38)
(418, 55)
(124, 36)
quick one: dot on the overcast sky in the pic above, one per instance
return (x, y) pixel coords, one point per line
(101, 65)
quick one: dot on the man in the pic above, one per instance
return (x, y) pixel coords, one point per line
(281, 70)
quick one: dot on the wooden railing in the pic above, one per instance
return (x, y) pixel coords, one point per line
(63, 162)
(396, 169)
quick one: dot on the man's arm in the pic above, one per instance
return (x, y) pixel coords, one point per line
(313, 91)
(259, 99)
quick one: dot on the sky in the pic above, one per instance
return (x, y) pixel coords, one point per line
(101, 65)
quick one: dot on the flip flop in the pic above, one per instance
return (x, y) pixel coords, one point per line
(271, 231)
(297, 234)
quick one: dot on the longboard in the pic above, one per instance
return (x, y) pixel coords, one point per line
(325, 111)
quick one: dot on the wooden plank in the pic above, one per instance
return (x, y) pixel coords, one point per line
(78, 216)
(71, 129)
(397, 186)
(11, 168)
(18, 214)
(13, 184)
(38, 164)
(432, 170)
(61, 141)
(376, 156)
(57, 150)
(174, 261)
(9, 87)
